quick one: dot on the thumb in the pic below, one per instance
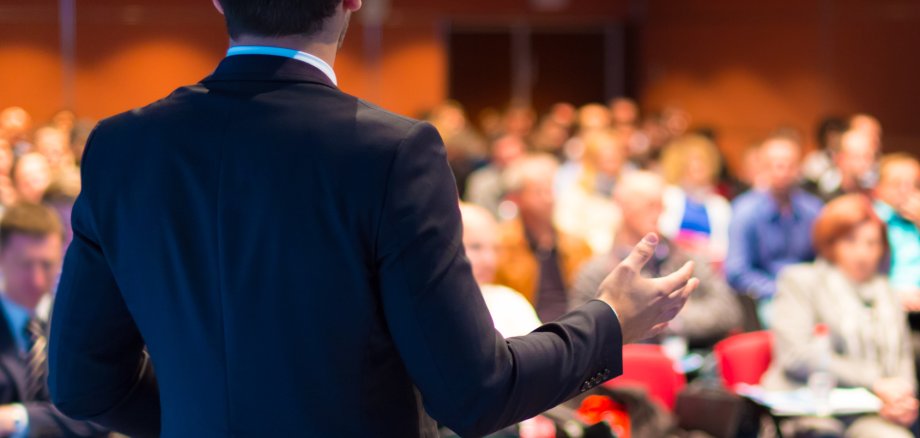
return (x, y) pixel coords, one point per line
(641, 253)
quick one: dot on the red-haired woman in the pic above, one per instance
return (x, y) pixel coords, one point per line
(845, 291)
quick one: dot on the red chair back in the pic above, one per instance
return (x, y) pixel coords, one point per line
(647, 367)
(744, 358)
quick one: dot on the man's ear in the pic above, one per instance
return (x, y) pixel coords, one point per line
(219, 7)
(349, 5)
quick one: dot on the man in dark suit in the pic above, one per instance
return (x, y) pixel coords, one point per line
(289, 261)
(31, 238)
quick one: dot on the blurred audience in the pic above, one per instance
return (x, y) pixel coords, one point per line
(897, 202)
(819, 164)
(585, 209)
(844, 292)
(60, 196)
(869, 125)
(641, 196)
(15, 126)
(853, 170)
(484, 186)
(695, 217)
(31, 176)
(536, 259)
(519, 121)
(770, 227)
(554, 130)
(512, 314)
(466, 149)
(561, 228)
(30, 258)
(590, 118)
(54, 144)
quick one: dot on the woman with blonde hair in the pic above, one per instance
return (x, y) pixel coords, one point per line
(696, 218)
(585, 209)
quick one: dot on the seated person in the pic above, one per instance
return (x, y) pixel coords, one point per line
(30, 259)
(640, 195)
(844, 291)
(511, 312)
(695, 216)
(771, 225)
(584, 209)
(484, 187)
(537, 259)
(897, 202)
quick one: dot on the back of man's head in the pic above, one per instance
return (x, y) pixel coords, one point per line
(276, 18)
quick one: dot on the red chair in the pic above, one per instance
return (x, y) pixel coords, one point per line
(647, 367)
(744, 358)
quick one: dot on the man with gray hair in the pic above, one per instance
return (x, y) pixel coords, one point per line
(640, 195)
(537, 259)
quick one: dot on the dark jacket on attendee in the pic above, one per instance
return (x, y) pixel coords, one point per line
(44, 419)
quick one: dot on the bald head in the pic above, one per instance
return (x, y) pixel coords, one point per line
(593, 116)
(640, 197)
(857, 153)
(480, 241)
(899, 179)
(32, 175)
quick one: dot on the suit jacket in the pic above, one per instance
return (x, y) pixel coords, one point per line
(291, 258)
(518, 267)
(44, 419)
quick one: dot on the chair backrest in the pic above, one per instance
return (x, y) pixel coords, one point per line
(647, 366)
(744, 358)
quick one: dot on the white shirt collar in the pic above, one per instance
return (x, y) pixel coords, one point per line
(313, 60)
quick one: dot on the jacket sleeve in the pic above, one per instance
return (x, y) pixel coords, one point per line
(97, 367)
(471, 379)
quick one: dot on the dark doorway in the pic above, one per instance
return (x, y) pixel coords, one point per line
(480, 69)
(568, 67)
(490, 67)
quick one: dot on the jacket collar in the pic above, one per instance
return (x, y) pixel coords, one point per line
(267, 68)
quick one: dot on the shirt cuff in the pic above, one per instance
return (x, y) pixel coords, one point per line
(22, 421)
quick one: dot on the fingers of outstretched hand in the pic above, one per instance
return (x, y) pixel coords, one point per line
(674, 303)
(685, 291)
(656, 330)
(676, 279)
(641, 253)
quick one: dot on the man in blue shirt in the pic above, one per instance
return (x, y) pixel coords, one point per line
(31, 239)
(897, 202)
(771, 225)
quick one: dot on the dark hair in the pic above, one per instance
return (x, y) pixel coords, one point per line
(276, 17)
(829, 126)
(29, 219)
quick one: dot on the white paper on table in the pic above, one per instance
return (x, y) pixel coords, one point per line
(799, 402)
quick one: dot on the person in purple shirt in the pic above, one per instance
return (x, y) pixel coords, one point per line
(771, 224)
